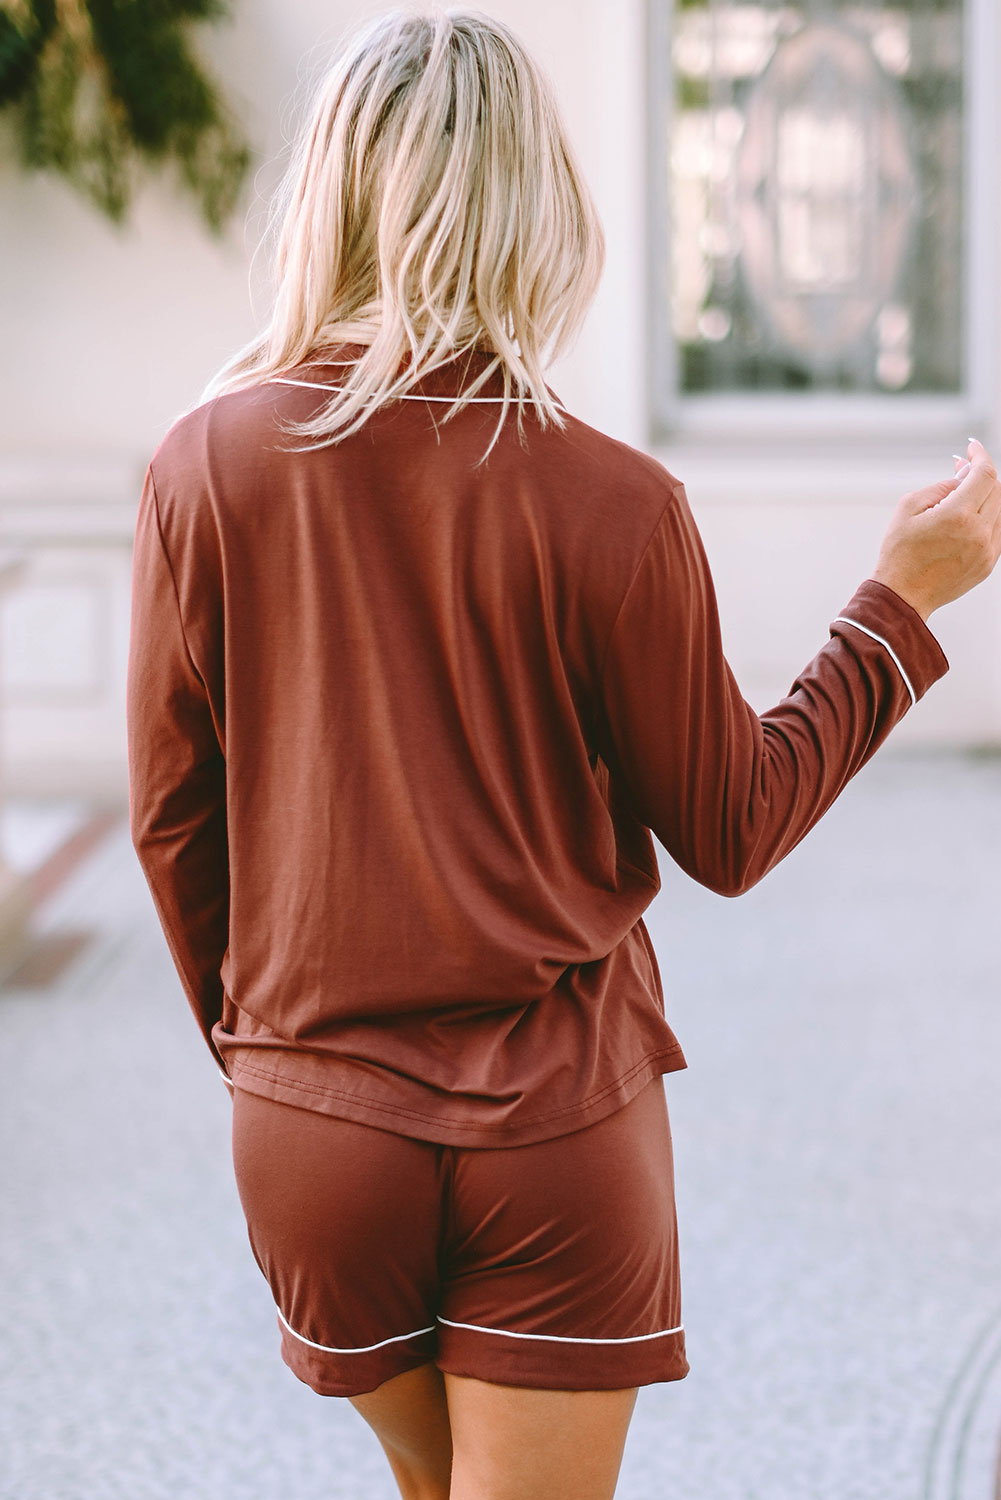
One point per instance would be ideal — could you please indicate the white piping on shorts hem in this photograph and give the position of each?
(365, 1349)
(841, 619)
(316, 385)
(560, 1338)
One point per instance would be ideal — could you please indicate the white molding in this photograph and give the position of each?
(68, 500)
(799, 474)
(30, 476)
(52, 508)
(56, 524)
(981, 186)
(736, 419)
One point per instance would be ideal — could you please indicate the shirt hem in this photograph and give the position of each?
(435, 1128)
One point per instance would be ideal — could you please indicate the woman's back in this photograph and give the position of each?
(401, 652)
(451, 699)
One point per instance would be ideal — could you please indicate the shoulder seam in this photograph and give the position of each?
(632, 579)
(170, 570)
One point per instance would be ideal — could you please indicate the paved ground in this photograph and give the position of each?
(838, 1142)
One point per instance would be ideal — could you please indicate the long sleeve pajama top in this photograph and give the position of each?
(400, 731)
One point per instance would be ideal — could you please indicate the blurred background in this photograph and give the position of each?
(799, 317)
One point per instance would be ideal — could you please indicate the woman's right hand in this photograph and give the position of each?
(946, 538)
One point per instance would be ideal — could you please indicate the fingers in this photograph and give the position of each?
(991, 508)
(979, 458)
(979, 487)
(990, 505)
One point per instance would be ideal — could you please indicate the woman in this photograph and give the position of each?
(418, 661)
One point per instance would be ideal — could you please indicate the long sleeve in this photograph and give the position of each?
(177, 776)
(729, 793)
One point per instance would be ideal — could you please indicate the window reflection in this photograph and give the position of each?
(820, 179)
(814, 184)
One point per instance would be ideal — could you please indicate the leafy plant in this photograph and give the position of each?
(100, 86)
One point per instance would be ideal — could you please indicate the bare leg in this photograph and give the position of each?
(409, 1416)
(515, 1443)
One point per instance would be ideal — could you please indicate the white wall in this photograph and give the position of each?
(139, 317)
(108, 333)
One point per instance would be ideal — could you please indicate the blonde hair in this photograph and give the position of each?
(432, 206)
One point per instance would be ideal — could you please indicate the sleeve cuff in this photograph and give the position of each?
(884, 616)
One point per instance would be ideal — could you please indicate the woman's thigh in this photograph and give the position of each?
(517, 1443)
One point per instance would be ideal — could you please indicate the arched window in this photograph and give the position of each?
(813, 239)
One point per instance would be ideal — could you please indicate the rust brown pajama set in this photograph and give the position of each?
(399, 730)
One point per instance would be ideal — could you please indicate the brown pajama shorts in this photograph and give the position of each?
(553, 1265)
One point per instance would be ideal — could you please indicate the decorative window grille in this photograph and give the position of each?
(808, 168)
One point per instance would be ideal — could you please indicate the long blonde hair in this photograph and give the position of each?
(432, 205)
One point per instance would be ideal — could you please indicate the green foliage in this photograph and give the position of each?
(101, 86)
(23, 30)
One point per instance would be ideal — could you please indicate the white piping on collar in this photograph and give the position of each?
(319, 386)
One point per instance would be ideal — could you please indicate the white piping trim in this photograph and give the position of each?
(841, 619)
(559, 1338)
(365, 1349)
(226, 1079)
(317, 385)
(554, 1338)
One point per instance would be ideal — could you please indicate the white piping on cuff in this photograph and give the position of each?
(319, 386)
(226, 1079)
(560, 1338)
(397, 1338)
(841, 619)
